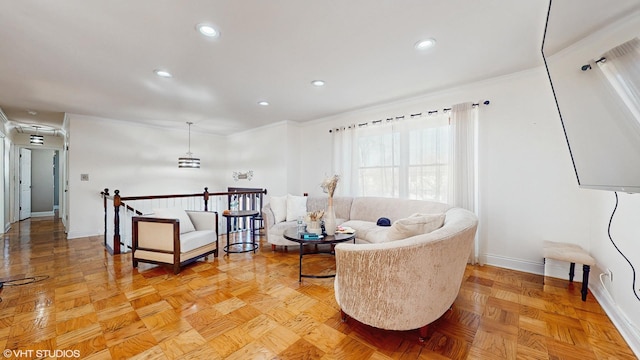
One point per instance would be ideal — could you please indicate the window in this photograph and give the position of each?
(404, 159)
(428, 167)
(378, 167)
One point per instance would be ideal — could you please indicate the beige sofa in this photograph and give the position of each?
(405, 284)
(359, 213)
(394, 282)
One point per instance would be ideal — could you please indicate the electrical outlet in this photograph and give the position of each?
(610, 274)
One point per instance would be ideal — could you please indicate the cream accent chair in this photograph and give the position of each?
(159, 240)
(405, 284)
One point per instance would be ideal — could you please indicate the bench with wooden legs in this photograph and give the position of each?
(572, 254)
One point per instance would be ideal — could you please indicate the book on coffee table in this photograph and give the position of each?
(311, 236)
(345, 230)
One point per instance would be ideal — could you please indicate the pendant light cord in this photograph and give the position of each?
(189, 152)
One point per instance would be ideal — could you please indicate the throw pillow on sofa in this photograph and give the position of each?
(296, 206)
(279, 207)
(415, 225)
(176, 213)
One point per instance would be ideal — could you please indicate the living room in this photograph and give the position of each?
(526, 182)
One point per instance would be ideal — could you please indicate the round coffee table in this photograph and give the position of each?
(293, 235)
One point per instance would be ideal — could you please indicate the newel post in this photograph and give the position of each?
(116, 222)
(206, 199)
(105, 194)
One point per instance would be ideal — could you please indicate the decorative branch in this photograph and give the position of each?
(315, 215)
(329, 184)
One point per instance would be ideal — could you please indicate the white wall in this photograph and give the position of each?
(272, 152)
(136, 160)
(625, 234)
(264, 151)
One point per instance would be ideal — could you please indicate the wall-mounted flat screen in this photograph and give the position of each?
(591, 50)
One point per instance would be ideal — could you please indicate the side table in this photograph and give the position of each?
(241, 214)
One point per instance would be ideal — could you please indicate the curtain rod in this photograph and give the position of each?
(430, 112)
(588, 66)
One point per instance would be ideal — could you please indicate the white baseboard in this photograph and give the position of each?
(80, 234)
(630, 334)
(552, 268)
(560, 269)
(515, 264)
(42, 213)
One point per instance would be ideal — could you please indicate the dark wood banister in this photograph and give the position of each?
(118, 201)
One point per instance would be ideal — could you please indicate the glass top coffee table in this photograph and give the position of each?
(293, 235)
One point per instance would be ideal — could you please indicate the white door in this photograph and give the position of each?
(25, 183)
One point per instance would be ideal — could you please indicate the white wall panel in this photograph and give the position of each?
(265, 151)
(136, 160)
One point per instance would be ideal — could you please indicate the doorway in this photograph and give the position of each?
(39, 182)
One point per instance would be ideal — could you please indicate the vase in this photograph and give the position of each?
(330, 218)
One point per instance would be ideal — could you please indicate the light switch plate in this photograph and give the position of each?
(84, 177)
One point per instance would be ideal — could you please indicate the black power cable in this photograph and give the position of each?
(23, 281)
(633, 284)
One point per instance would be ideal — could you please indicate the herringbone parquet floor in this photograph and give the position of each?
(88, 304)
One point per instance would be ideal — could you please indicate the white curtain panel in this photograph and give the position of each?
(377, 159)
(463, 163)
(345, 160)
(621, 69)
(462, 159)
(363, 153)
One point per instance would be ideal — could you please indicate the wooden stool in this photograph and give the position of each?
(573, 254)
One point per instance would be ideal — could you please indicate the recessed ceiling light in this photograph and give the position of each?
(317, 83)
(208, 30)
(263, 103)
(425, 44)
(162, 73)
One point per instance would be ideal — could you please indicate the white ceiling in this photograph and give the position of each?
(97, 57)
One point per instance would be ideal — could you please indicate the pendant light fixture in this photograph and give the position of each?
(37, 139)
(189, 162)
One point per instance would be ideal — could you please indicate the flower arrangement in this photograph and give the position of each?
(315, 215)
(329, 184)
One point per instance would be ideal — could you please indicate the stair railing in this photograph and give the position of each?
(119, 211)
